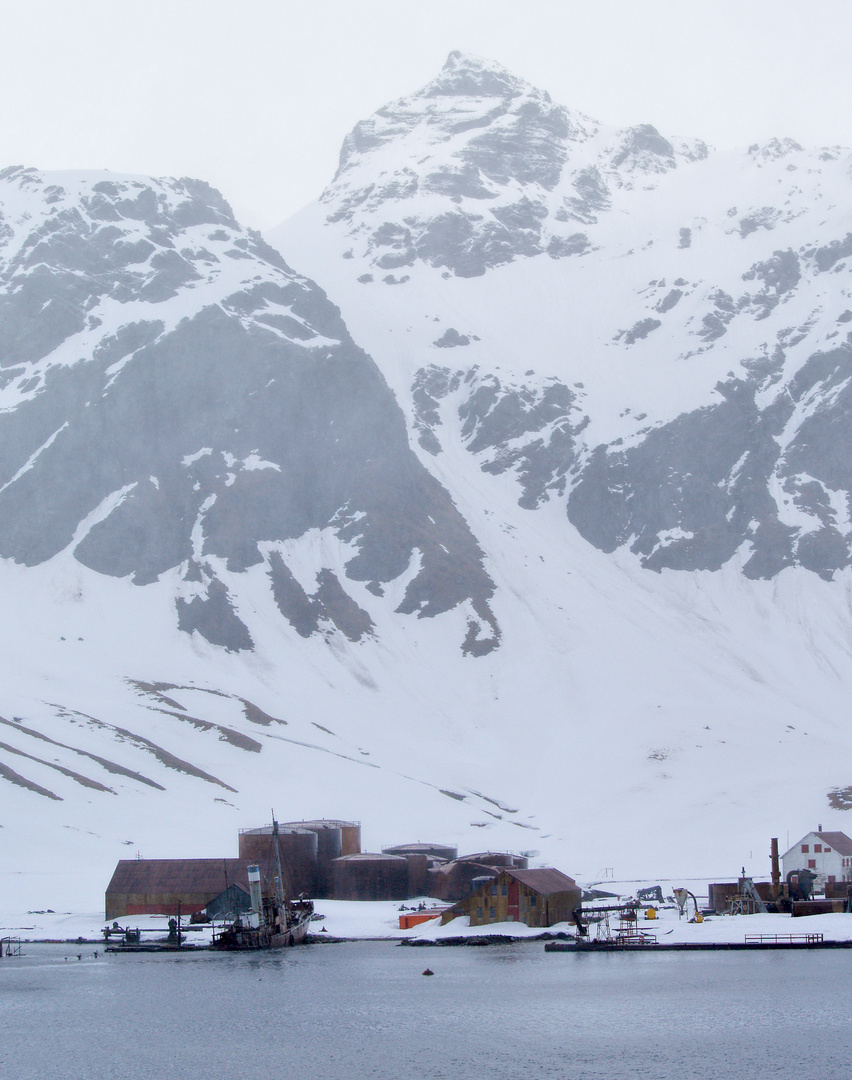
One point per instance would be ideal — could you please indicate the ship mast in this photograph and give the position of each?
(279, 879)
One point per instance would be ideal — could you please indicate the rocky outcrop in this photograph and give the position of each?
(177, 399)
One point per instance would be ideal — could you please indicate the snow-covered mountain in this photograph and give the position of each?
(654, 333)
(539, 539)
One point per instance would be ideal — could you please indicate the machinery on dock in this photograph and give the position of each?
(683, 896)
(623, 935)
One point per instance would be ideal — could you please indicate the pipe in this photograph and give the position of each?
(776, 868)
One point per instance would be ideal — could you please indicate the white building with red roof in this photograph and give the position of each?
(828, 854)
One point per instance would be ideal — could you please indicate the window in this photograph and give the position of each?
(492, 913)
(817, 848)
(826, 850)
(805, 849)
(479, 913)
(504, 889)
(493, 890)
(811, 866)
(533, 901)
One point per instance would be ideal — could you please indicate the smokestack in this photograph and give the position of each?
(776, 869)
(254, 890)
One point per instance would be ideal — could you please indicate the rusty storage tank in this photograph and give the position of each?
(434, 851)
(498, 858)
(298, 850)
(350, 834)
(418, 871)
(369, 876)
(329, 836)
(720, 894)
(453, 880)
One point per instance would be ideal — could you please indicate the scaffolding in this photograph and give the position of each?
(625, 934)
(10, 946)
(747, 900)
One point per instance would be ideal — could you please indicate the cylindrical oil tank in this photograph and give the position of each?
(298, 851)
(351, 837)
(454, 880)
(491, 858)
(329, 836)
(329, 848)
(370, 877)
(720, 895)
(418, 869)
(437, 851)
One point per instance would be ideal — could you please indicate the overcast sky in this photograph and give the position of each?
(256, 96)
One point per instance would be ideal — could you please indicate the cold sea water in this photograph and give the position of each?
(365, 1010)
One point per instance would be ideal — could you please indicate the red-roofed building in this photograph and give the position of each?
(828, 854)
(535, 897)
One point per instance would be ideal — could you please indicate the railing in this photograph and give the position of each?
(629, 938)
(776, 939)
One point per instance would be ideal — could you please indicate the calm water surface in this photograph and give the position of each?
(364, 1010)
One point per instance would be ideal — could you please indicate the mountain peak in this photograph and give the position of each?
(467, 75)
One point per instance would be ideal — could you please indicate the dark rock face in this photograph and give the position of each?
(516, 170)
(645, 146)
(722, 479)
(520, 429)
(749, 303)
(689, 494)
(182, 401)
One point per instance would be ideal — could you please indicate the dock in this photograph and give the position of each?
(752, 942)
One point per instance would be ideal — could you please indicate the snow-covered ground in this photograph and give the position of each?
(646, 722)
(365, 920)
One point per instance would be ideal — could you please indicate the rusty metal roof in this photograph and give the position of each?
(545, 881)
(211, 876)
(369, 856)
(837, 841)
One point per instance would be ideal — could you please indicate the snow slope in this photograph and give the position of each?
(445, 536)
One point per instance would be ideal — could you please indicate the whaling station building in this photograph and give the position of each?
(535, 897)
(323, 860)
(828, 854)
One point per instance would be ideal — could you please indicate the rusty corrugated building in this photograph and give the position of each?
(534, 897)
(166, 886)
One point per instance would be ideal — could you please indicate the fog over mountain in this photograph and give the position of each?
(502, 494)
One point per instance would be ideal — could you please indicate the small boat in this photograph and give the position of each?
(273, 922)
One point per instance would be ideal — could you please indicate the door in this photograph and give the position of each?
(514, 902)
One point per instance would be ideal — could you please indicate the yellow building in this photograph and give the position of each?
(534, 897)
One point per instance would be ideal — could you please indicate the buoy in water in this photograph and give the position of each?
(428, 971)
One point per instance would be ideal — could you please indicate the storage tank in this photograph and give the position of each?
(498, 858)
(454, 880)
(370, 876)
(436, 851)
(298, 851)
(329, 836)
(418, 870)
(351, 837)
